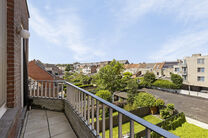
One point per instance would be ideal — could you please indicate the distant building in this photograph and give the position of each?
(37, 71)
(53, 69)
(197, 71)
(168, 68)
(158, 70)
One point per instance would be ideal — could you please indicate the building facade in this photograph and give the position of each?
(14, 17)
(197, 70)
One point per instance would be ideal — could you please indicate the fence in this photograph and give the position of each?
(89, 107)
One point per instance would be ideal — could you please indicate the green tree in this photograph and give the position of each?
(177, 80)
(149, 77)
(69, 67)
(104, 94)
(131, 87)
(109, 77)
(144, 100)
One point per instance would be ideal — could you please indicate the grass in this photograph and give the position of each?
(137, 127)
(190, 131)
(100, 117)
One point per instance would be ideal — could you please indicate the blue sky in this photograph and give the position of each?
(67, 31)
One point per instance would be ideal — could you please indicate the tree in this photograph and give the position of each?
(144, 100)
(104, 94)
(69, 67)
(109, 77)
(177, 80)
(131, 87)
(149, 78)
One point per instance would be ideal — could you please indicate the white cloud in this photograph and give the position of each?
(192, 13)
(65, 30)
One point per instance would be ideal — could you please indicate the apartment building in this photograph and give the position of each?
(197, 71)
(13, 65)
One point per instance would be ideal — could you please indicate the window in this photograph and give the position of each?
(200, 69)
(177, 69)
(200, 78)
(184, 77)
(200, 61)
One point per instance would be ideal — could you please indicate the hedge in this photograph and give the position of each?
(164, 84)
(171, 123)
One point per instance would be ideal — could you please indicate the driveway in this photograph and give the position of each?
(193, 107)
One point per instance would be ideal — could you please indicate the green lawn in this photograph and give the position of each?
(100, 117)
(190, 131)
(137, 127)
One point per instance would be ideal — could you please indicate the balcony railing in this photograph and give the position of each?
(88, 106)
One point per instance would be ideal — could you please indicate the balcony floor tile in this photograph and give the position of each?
(45, 124)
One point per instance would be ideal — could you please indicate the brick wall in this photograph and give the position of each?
(17, 14)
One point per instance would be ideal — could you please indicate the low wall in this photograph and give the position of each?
(185, 92)
(53, 104)
(141, 112)
(193, 93)
(79, 126)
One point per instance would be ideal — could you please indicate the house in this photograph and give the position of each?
(37, 71)
(53, 69)
(158, 69)
(146, 67)
(123, 61)
(14, 36)
(168, 68)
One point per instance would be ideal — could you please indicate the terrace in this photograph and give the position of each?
(64, 116)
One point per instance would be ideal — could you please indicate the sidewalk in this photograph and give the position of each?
(197, 123)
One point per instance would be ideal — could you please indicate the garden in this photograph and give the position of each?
(111, 78)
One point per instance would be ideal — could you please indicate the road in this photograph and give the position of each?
(193, 107)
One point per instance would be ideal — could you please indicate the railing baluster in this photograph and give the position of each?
(30, 88)
(41, 89)
(92, 118)
(103, 121)
(119, 125)
(79, 111)
(131, 129)
(111, 123)
(97, 117)
(49, 93)
(148, 133)
(38, 94)
(33, 88)
(82, 115)
(45, 89)
(85, 107)
(57, 91)
(62, 90)
(88, 109)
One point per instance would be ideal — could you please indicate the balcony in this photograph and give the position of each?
(78, 111)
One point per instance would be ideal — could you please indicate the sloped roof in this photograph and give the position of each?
(36, 70)
(159, 65)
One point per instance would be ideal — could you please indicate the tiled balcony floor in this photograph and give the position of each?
(47, 124)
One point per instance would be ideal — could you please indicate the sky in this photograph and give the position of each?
(68, 31)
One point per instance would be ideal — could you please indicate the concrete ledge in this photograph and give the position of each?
(10, 123)
(48, 103)
(78, 125)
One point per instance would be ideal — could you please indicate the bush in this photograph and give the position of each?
(177, 80)
(170, 106)
(129, 107)
(144, 100)
(164, 84)
(105, 94)
(159, 103)
(149, 77)
(165, 113)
